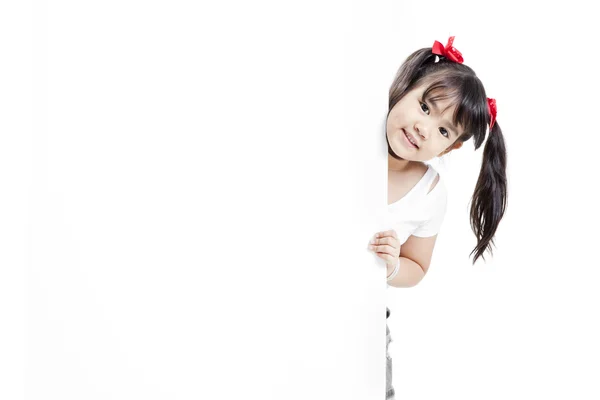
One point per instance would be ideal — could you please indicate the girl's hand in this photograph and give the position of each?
(387, 246)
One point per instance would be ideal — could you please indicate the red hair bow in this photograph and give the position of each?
(493, 111)
(449, 51)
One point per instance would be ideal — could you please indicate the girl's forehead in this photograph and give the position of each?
(442, 100)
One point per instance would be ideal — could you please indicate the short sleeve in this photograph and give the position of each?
(437, 204)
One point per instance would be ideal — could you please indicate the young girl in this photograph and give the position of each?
(436, 103)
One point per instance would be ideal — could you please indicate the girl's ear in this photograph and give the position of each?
(456, 145)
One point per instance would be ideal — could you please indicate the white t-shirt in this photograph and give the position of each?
(420, 213)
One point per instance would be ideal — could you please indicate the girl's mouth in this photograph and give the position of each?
(409, 140)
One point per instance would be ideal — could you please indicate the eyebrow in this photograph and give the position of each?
(448, 123)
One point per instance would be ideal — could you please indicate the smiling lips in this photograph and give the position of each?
(411, 141)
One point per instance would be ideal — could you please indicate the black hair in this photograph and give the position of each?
(446, 79)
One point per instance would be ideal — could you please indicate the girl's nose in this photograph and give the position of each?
(422, 130)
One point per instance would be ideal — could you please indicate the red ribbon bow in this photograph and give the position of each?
(493, 111)
(449, 51)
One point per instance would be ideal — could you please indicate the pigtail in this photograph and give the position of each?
(490, 196)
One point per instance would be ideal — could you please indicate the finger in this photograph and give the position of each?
(387, 249)
(391, 233)
(387, 240)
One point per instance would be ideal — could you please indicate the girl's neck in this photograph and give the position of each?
(398, 165)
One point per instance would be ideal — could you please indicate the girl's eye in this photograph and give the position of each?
(443, 131)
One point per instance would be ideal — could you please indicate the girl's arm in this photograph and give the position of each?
(415, 257)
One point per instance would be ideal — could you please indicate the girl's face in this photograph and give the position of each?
(418, 130)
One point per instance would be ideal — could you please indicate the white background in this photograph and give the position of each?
(187, 192)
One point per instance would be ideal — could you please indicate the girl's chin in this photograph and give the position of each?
(397, 156)
(403, 153)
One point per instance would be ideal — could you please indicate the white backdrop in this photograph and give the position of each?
(188, 191)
